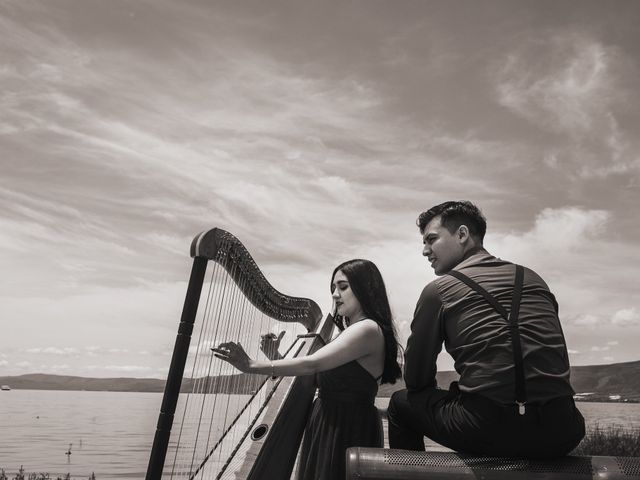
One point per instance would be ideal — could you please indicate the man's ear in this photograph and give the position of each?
(463, 233)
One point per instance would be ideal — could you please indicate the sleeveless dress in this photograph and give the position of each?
(344, 415)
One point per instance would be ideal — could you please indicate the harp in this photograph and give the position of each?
(215, 423)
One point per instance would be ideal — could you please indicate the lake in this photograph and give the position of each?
(111, 433)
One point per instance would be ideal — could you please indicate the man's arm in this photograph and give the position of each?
(425, 342)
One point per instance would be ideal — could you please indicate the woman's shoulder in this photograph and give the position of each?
(368, 326)
(370, 335)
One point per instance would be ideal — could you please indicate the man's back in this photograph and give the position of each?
(479, 338)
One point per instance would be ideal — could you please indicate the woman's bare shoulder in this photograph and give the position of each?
(368, 327)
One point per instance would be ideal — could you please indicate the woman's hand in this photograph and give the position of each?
(269, 344)
(234, 354)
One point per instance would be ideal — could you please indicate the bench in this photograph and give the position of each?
(392, 464)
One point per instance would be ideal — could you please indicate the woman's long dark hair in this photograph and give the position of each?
(367, 285)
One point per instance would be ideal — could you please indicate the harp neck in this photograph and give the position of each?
(228, 251)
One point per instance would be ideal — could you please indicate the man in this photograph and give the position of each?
(501, 327)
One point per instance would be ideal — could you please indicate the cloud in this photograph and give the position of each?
(599, 349)
(584, 320)
(571, 84)
(59, 367)
(148, 312)
(626, 317)
(54, 350)
(567, 227)
(563, 82)
(339, 188)
(120, 368)
(171, 243)
(3, 363)
(555, 232)
(622, 318)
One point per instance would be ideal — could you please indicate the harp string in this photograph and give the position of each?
(178, 459)
(226, 319)
(237, 326)
(211, 428)
(213, 308)
(204, 378)
(246, 323)
(192, 397)
(215, 397)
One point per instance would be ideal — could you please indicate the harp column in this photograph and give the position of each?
(174, 378)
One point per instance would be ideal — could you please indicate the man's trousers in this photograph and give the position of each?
(471, 423)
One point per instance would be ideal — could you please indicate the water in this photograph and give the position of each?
(111, 433)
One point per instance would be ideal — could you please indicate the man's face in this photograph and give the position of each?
(443, 249)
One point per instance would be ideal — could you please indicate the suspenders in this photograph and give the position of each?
(512, 318)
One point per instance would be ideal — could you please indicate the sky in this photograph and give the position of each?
(315, 132)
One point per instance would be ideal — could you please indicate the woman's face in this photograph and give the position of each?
(346, 302)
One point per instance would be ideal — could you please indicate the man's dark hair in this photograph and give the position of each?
(453, 214)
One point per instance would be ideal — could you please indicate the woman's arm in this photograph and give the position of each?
(357, 341)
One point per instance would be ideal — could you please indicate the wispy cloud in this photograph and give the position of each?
(556, 232)
(570, 83)
(120, 368)
(584, 320)
(565, 81)
(626, 317)
(54, 350)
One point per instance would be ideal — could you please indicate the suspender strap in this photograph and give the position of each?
(487, 296)
(512, 318)
(521, 393)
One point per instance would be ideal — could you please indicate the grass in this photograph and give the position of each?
(614, 441)
(22, 475)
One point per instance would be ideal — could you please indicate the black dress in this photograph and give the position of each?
(344, 415)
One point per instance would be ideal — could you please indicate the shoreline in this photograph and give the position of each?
(579, 398)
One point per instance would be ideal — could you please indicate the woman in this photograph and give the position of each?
(349, 368)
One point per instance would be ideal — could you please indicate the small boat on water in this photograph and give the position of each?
(5, 387)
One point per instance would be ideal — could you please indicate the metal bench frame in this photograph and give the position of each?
(393, 464)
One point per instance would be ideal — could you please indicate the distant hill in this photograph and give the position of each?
(40, 381)
(591, 383)
(595, 382)
(621, 379)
